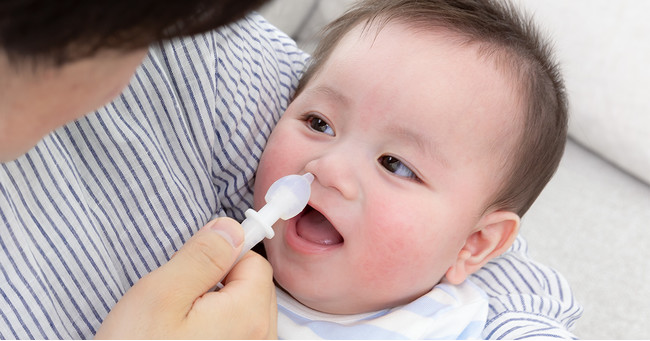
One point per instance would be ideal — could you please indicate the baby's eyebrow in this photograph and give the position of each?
(422, 143)
(331, 93)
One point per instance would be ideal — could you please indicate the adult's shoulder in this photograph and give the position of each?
(250, 36)
(250, 50)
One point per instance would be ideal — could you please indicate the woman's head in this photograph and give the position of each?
(56, 32)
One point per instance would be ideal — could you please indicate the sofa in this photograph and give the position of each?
(592, 221)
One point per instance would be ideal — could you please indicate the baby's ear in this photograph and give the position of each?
(493, 235)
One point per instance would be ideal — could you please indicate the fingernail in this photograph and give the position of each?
(229, 231)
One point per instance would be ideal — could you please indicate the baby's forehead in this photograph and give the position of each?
(506, 60)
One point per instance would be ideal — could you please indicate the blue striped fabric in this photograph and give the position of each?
(527, 299)
(106, 199)
(110, 197)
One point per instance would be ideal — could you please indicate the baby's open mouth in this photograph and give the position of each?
(314, 227)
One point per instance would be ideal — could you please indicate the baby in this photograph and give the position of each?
(430, 128)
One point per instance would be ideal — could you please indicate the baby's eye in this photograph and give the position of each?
(318, 124)
(394, 165)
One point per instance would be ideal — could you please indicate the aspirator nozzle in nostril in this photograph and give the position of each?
(286, 197)
(289, 195)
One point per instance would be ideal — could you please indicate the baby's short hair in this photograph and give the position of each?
(504, 34)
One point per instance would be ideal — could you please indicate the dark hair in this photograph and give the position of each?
(512, 42)
(59, 31)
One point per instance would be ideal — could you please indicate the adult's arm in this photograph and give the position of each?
(257, 69)
(527, 299)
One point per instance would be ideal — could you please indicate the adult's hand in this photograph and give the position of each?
(173, 301)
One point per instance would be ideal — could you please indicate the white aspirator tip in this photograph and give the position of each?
(286, 197)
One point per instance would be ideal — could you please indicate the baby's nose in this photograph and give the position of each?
(336, 171)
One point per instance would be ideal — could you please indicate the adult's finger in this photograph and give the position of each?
(159, 304)
(203, 261)
(248, 298)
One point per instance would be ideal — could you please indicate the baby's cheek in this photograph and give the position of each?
(396, 258)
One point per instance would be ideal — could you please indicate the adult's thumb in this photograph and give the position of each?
(202, 262)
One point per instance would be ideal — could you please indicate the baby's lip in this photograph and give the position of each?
(313, 226)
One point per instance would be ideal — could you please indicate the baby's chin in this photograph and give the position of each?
(362, 301)
(317, 301)
(343, 304)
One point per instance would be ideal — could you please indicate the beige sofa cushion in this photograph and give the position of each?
(604, 47)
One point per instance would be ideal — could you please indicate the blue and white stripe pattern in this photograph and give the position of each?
(105, 199)
(527, 299)
(448, 312)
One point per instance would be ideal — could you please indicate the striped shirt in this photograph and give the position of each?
(527, 299)
(447, 312)
(110, 197)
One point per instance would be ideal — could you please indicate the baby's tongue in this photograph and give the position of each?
(314, 227)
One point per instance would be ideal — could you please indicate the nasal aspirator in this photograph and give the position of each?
(286, 197)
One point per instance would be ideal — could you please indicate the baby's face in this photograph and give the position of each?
(403, 134)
